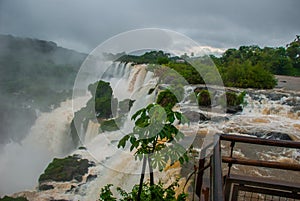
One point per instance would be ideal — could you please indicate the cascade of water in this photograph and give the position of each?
(92, 131)
(261, 114)
(114, 165)
(49, 137)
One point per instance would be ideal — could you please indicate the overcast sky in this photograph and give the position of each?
(84, 24)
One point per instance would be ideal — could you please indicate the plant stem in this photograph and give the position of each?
(149, 162)
(142, 179)
(151, 171)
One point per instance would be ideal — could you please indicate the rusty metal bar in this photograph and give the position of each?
(260, 163)
(252, 140)
(201, 169)
(216, 173)
(200, 177)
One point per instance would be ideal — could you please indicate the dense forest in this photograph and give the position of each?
(247, 66)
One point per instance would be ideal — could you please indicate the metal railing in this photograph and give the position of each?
(241, 187)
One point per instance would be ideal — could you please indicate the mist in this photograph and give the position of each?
(36, 78)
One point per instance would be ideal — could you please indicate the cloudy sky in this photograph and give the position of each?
(84, 24)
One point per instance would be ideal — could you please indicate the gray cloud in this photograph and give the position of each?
(82, 25)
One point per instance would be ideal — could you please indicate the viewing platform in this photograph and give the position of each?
(216, 182)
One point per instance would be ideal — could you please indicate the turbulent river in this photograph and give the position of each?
(271, 114)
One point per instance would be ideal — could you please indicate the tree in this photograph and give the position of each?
(293, 51)
(103, 99)
(155, 139)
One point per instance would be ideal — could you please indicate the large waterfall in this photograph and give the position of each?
(266, 111)
(21, 163)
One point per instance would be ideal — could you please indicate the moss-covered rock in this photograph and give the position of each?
(233, 102)
(7, 198)
(166, 99)
(232, 99)
(65, 169)
(111, 124)
(204, 98)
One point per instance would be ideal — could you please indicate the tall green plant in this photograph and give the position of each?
(155, 139)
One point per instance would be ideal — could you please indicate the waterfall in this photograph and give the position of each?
(126, 79)
(50, 136)
(92, 131)
(22, 163)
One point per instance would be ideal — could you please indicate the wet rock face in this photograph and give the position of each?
(45, 187)
(275, 96)
(234, 109)
(195, 116)
(199, 89)
(91, 177)
(293, 101)
(295, 108)
(272, 135)
(219, 119)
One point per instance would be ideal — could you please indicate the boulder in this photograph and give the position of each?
(272, 135)
(45, 187)
(234, 109)
(195, 116)
(91, 177)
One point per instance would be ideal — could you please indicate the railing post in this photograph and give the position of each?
(216, 173)
(231, 154)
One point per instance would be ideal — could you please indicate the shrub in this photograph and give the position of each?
(167, 99)
(7, 198)
(233, 99)
(109, 125)
(204, 98)
(149, 193)
(65, 169)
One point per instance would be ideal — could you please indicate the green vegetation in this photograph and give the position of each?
(7, 198)
(167, 99)
(149, 193)
(102, 106)
(246, 67)
(65, 169)
(152, 57)
(187, 71)
(110, 125)
(104, 101)
(204, 98)
(232, 98)
(155, 138)
(293, 52)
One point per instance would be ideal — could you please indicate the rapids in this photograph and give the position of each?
(267, 113)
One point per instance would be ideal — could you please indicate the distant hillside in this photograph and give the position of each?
(34, 74)
(27, 63)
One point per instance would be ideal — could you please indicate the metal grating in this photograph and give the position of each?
(249, 196)
(247, 193)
